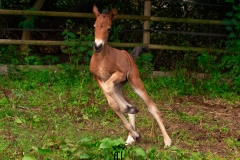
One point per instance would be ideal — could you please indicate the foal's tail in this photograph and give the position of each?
(137, 50)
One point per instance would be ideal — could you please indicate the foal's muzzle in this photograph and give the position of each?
(97, 47)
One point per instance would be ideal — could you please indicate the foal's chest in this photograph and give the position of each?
(102, 67)
(101, 71)
(104, 73)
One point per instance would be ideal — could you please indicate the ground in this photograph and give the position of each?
(39, 117)
(195, 123)
(206, 124)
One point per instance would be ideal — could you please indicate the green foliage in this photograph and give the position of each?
(28, 23)
(206, 62)
(144, 63)
(230, 1)
(230, 62)
(77, 50)
(50, 59)
(108, 149)
(9, 55)
(224, 68)
(31, 59)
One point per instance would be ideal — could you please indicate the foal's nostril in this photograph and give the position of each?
(98, 47)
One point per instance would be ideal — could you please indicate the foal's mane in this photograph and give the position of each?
(105, 11)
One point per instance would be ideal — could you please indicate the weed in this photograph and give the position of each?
(192, 119)
(224, 129)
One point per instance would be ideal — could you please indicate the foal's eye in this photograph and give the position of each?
(109, 29)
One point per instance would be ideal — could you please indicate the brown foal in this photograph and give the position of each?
(112, 68)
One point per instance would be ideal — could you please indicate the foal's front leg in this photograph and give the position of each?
(130, 139)
(127, 125)
(118, 89)
(115, 106)
(108, 88)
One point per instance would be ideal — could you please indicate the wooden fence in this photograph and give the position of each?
(146, 34)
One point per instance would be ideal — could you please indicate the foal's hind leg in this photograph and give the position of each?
(139, 88)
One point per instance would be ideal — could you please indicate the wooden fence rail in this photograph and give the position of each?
(146, 34)
(90, 15)
(114, 44)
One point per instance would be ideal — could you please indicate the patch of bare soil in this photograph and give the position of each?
(204, 124)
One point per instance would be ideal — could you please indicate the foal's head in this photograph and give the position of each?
(102, 27)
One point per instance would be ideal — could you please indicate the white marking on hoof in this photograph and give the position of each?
(129, 140)
(167, 142)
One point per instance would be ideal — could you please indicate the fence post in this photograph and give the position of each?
(146, 24)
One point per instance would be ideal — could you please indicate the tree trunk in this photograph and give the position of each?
(27, 34)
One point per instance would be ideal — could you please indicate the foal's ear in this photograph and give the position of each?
(113, 14)
(95, 11)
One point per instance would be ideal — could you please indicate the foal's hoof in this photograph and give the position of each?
(138, 139)
(167, 142)
(132, 110)
(130, 140)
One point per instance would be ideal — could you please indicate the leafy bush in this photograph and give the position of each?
(224, 68)
(77, 50)
(10, 55)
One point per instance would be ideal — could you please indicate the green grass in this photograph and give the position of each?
(64, 115)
